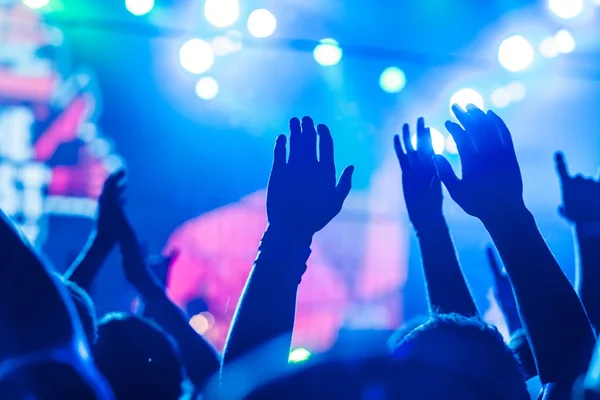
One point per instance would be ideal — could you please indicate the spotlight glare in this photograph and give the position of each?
(437, 140)
(451, 145)
(515, 53)
(328, 52)
(261, 23)
(35, 4)
(207, 88)
(221, 13)
(548, 48)
(139, 7)
(467, 96)
(392, 80)
(500, 98)
(564, 41)
(566, 9)
(196, 56)
(299, 355)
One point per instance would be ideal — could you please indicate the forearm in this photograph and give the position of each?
(267, 307)
(556, 323)
(446, 286)
(588, 273)
(85, 268)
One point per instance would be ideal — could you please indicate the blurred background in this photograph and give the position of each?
(189, 95)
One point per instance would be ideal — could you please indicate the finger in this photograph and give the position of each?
(503, 132)
(113, 179)
(326, 157)
(494, 264)
(447, 176)
(463, 141)
(309, 140)
(424, 143)
(561, 166)
(279, 152)
(406, 139)
(402, 157)
(344, 184)
(461, 115)
(295, 140)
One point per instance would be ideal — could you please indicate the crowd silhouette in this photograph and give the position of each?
(54, 346)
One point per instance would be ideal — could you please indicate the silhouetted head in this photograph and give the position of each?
(520, 346)
(85, 310)
(461, 358)
(138, 359)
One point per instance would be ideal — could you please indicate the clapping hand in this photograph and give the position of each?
(581, 196)
(421, 185)
(109, 207)
(302, 195)
(491, 183)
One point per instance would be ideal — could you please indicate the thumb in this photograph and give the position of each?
(447, 175)
(345, 184)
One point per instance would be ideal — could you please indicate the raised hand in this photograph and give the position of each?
(109, 206)
(302, 195)
(491, 183)
(422, 187)
(581, 196)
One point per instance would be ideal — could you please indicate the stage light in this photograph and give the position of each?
(451, 145)
(261, 23)
(139, 7)
(500, 98)
(392, 80)
(517, 91)
(35, 4)
(566, 9)
(437, 141)
(299, 355)
(207, 88)
(515, 53)
(564, 41)
(548, 48)
(196, 56)
(327, 52)
(467, 96)
(221, 13)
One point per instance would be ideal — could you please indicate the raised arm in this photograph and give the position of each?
(302, 198)
(446, 287)
(102, 240)
(503, 292)
(199, 358)
(491, 189)
(581, 207)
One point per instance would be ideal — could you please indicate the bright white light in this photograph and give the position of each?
(596, 2)
(564, 41)
(221, 13)
(451, 145)
(517, 91)
(139, 7)
(437, 141)
(327, 52)
(392, 80)
(500, 98)
(261, 23)
(467, 96)
(196, 56)
(207, 88)
(515, 53)
(548, 48)
(566, 8)
(299, 355)
(35, 4)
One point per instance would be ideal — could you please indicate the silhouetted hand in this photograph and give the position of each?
(421, 185)
(581, 196)
(302, 195)
(491, 183)
(109, 206)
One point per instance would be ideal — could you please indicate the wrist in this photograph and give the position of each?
(284, 250)
(508, 220)
(434, 224)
